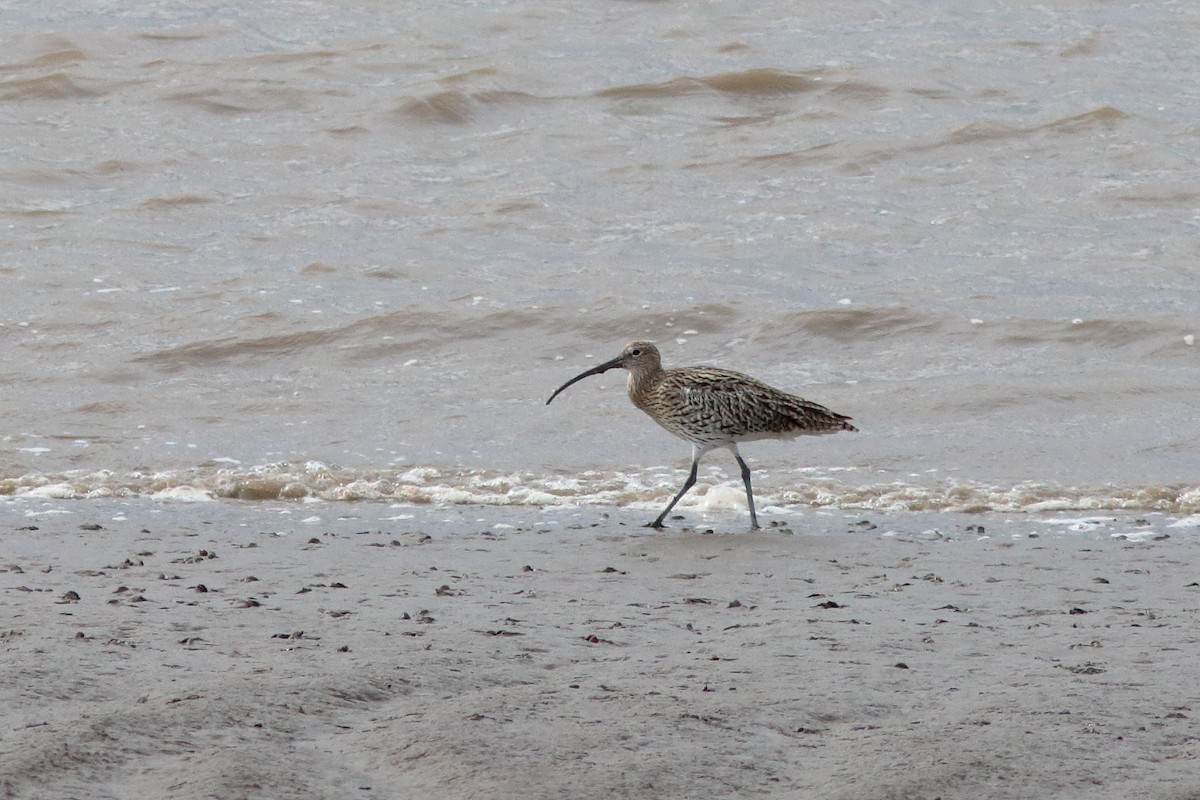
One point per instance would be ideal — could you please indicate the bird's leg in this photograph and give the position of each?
(689, 483)
(749, 492)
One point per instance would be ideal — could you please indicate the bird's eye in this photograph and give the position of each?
(635, 352)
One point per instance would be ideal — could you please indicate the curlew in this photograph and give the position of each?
(713, 407)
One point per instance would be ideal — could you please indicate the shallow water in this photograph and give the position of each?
(298, 250)
(40, 518)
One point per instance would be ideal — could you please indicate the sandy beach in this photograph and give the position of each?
(222, 650)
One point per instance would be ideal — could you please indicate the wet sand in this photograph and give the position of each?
(226, 650)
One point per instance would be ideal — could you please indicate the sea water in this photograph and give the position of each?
(325, 251)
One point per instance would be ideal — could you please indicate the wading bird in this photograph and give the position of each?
(713, 407)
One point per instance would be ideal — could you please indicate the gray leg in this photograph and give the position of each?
(749, 491)
(689, 483)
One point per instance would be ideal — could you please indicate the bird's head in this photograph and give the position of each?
(638, 357)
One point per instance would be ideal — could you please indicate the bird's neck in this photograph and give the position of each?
(641, 385)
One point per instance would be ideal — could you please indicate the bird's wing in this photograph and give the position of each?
(721, 400)
(738, 405)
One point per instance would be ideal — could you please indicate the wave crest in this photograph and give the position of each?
(425, 485)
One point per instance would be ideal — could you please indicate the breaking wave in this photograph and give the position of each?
(425, 485)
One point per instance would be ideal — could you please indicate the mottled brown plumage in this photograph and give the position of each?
(713, 407)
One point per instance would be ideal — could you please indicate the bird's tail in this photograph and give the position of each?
(813, 417)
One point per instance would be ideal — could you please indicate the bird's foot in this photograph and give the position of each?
(657, 524)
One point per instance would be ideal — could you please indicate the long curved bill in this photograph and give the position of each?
(596, 370)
